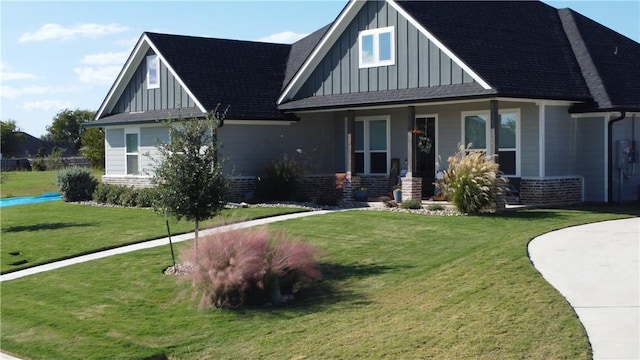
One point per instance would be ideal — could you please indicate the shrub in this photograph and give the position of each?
(250, 267)
(279, 179)
(472, 181)
(411, 204)
(435, 207)
(113, 196)
(101, 192)
(76, 184)
(128, 196)
(146, 197)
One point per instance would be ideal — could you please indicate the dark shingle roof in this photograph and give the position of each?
(300, 51)
(610, 62)
(246, 75)
(518, 47)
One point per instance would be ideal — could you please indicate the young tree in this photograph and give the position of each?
(67, 126)
(10, 138)
(93, 147)
(188, 173)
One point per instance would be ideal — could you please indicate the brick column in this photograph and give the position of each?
(351, 183)
(411, 188)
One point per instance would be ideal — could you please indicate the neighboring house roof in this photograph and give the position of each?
(514, 49)
(31, 145)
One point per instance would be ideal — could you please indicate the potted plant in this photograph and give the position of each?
(397, 194)
(361, 194)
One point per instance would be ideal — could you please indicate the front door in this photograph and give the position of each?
(425, 153)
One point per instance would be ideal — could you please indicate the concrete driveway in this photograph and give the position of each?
(597, 269)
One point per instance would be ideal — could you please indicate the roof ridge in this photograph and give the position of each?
(583, 57)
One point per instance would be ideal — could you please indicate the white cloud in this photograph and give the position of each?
(13, 92)
(46, 105)
(6, 74)
(285, 37)
(56, 31)
(98, 74)
(106, 58)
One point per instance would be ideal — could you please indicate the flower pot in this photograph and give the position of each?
(397, 195)
(361, 195)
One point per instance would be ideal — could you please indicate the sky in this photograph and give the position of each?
(57, 55)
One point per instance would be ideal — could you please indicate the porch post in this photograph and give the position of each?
(411, 159)
(351, 143)
(495, 127)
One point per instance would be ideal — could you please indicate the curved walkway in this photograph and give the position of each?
(597, 269)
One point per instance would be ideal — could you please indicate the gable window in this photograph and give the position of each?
(372, 145)
(132, 158)
(476, 131)
(153, 72)
(377, 47)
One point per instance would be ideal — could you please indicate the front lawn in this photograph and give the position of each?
(396, 286)
(32, 183)
(39, 233)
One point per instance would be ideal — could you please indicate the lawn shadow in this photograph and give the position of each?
(46, 226)
(332, 289)
(547, 211)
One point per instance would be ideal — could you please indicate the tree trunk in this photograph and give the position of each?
(195, 241)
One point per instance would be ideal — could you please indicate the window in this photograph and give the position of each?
(131, 144)
(371, 145)
(377, 47)
(476, 131)
(153, 72)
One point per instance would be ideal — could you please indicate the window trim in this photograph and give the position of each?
(376, 47)
(127, 154)
(367, 151)
(487, 113)
(155, 61)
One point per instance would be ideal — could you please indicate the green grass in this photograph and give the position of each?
(30, 183)
(39, 233)
(396, 286)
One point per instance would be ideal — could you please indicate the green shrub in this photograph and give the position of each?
(472, 181)
(250, 267)
(146, 197)
(101, 192)
(128, 197)
(435, 207)
(113, 196)
(411, 204)
(76, 184)
(279, 179)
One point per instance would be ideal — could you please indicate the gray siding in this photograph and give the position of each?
(136, 96)
(114, 152)
(627, 190)
(150, 137)
(419, 62)
(529, 135)
(590, 160)
(560, 142)
(248, 148)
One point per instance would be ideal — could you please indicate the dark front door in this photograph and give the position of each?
(425, 153)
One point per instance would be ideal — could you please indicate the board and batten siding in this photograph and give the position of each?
(560, 142)
(114, 151)
(136, 96)
(419, 62)
(590, 159)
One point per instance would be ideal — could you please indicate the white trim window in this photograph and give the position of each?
(377, 47)
(372, 145)
(153, 72)
(476, 131)
(132, 156)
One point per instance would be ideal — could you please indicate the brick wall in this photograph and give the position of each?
(135, 181)
(556, 190)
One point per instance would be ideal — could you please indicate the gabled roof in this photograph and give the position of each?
(245, 75)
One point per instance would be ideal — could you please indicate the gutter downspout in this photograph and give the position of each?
(623, 114)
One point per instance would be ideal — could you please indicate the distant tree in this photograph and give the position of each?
(92, 140)
(67, 126)
(188, 173)
(10, 138)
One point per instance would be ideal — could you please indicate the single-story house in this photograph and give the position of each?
(553, 93)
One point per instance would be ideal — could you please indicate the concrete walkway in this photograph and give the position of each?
(597, 269)
(153, 243)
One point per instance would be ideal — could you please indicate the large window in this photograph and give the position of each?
(371, 146)
(132, 158)
(377, 47)
(476, 131)
(153, 72)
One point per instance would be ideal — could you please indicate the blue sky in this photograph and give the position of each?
(66, 54)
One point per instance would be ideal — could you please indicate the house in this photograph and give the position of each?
(554, 94)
